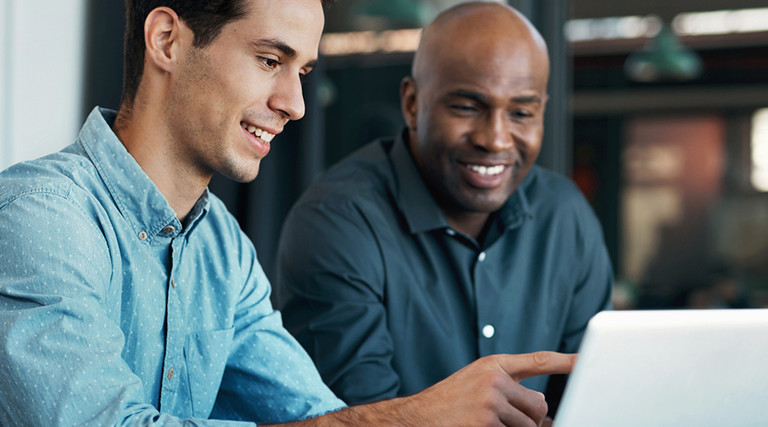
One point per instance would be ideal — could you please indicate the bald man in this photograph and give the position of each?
(421, 253)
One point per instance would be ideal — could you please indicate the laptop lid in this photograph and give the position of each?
(670, 368)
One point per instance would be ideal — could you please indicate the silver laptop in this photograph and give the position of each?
(670, 368)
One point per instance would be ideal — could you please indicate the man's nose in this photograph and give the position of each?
(494, 134)
(288, 98)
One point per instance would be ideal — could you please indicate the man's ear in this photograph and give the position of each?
(162, 37)
(408, 102)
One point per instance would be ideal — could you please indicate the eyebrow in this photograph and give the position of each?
(463, 93)
(479, 97)
(282, 47)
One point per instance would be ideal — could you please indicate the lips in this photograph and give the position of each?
(486, 170)
(258, 132)
(485, 175)
(260, 139)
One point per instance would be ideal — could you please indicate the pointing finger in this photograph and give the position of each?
(521, 366)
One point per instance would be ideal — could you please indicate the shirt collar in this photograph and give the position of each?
(419, 206)
(136, 196)
(413, 198)
(516, 209)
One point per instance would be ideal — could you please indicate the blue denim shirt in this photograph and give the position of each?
(112, 311)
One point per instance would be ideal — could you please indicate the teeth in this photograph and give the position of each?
(486, 170)
(260, 133)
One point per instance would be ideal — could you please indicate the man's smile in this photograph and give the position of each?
(258, 132)
(486, 170)
(486, 176)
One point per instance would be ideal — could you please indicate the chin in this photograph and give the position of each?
(247, 178)
(242, 175)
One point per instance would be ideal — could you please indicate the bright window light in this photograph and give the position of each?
(366, 42)
(626, 27)
(685, 24)
(722, 22)
(760, 150)
(576, 30)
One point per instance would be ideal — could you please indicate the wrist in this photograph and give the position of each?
(401, 411)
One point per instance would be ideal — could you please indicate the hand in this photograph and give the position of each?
(488, 392)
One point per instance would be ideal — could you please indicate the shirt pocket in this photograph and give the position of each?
(206, 356)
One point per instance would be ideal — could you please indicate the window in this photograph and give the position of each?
(759, 177)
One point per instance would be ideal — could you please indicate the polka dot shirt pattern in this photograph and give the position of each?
(112, 311)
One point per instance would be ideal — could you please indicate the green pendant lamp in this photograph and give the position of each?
(663, 59)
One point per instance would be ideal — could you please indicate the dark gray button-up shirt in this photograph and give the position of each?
(388, 299)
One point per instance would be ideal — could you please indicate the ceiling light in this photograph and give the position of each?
(663, 58)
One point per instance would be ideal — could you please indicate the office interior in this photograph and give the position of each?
(658, 111)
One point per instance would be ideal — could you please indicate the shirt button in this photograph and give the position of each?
(488, 331)
(170, 374)
(142, 235)
(173, 283)
(168, 229)
(450, 232)
(481, 257)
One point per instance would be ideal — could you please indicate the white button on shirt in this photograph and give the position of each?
(450, 232)
(481, 257)
(488, 331)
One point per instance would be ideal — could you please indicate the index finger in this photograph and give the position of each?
(521, 366)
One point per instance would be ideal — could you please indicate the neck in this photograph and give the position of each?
(142, 132)
(472, 224)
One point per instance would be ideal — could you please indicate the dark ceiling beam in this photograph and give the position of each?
(660, 100)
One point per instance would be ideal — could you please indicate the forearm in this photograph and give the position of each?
(399, 412)
(486, 392)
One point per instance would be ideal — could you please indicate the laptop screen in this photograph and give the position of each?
(670, 368)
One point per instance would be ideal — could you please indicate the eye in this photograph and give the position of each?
(463, 109)
(521, 114)
(270, 62)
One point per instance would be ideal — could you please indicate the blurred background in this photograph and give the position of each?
(658, 111)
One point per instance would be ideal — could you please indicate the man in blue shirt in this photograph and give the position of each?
(421, 253)
(128, 294)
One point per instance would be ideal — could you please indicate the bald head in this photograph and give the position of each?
(474, 107)
(477, 28)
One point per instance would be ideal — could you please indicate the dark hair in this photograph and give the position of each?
(206, 18)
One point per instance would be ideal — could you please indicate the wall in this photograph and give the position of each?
(41, 76)
(673, 169)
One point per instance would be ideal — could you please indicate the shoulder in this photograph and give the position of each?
(49, 203)
(347, 208)
(218, 216)
(63, 178)
(552, 195)
(361, 181)
(541, 183)
(223, 233)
